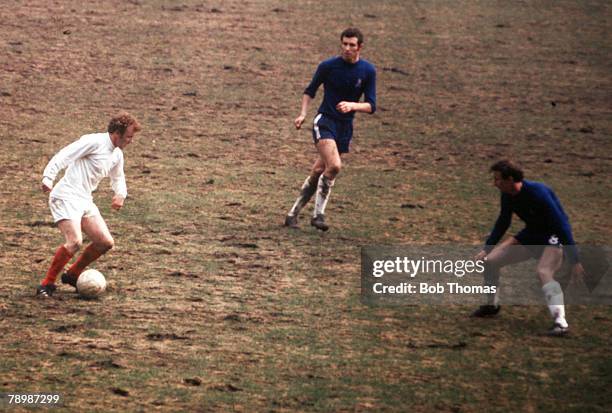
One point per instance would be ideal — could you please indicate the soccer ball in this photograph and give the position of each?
(91, 283)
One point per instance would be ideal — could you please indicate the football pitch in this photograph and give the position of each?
(213, 305)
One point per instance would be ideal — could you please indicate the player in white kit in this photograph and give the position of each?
(87, 161)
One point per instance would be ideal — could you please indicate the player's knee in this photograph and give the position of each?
(73, 246)
(317, 171)
(333, 169)
(106, 245)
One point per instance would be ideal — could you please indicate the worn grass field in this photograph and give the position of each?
(212, 305)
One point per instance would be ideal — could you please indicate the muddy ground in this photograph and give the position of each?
(212, 305)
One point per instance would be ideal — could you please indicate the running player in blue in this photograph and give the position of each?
(546, 236)
(345, 79)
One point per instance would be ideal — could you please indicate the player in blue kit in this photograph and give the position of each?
(546, 236)
(345, 79)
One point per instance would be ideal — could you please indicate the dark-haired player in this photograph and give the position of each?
(546, 236)
(345, 79)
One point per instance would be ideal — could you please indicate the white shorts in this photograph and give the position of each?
(75, 209)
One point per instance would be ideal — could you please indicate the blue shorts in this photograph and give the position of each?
(325, 127)
(537, 241)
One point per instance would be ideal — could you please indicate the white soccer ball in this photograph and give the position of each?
(91, 283)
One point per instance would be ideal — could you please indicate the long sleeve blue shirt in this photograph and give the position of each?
(343, 81)
(538, 206)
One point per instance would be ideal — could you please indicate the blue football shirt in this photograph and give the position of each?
(343, 81)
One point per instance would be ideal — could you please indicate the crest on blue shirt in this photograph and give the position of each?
(358, 82)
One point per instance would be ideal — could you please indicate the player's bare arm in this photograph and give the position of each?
(300, 119)
(346, 107)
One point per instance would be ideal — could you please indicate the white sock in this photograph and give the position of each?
(493, 299)
(307, 191)
(491, 279)
(323, 190)
(554, 299)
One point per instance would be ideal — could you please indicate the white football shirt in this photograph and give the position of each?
(88, 160)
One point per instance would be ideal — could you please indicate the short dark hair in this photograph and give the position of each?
(508, 169)
(352, 32)
(121, 121)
